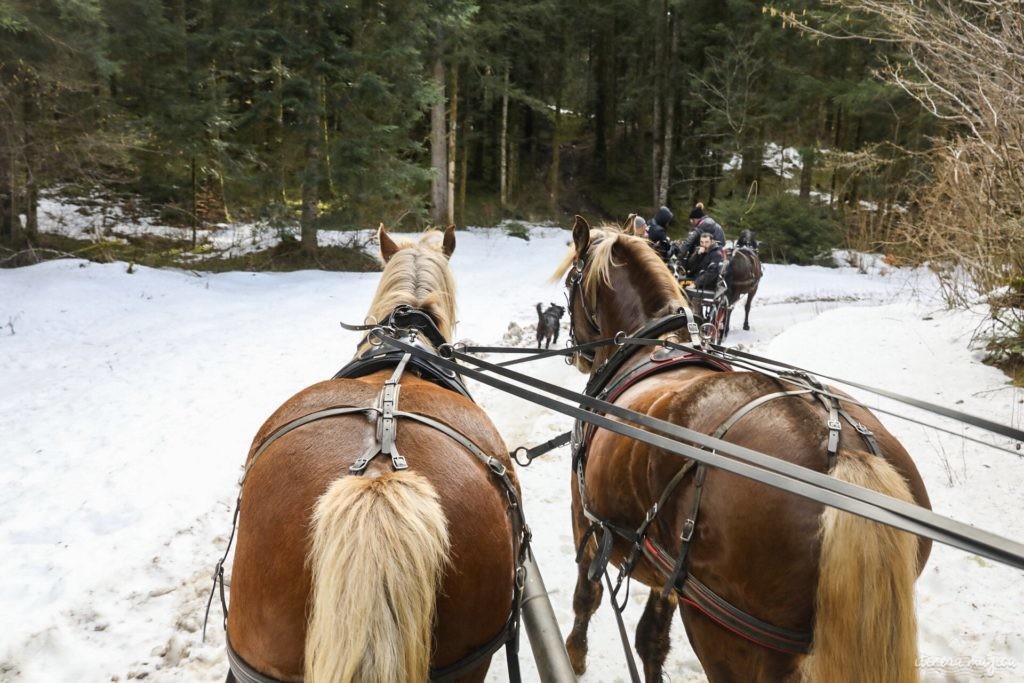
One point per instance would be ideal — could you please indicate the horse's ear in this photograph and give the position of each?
(388, 248)
(448, 244)
(580, 234)
(629, 227)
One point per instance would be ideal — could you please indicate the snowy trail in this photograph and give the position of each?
(128, 402)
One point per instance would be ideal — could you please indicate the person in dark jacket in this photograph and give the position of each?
(700, 222)
(706, 263)
(657, 232)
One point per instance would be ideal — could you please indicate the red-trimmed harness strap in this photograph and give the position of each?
(727, 615)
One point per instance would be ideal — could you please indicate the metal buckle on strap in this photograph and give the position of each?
(359, 465)
(688, 528)
(496, 466)
(861, 429)
(833, 425)
(650, 514)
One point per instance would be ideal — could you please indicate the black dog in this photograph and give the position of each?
(548, 324)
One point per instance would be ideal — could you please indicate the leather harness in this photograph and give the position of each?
(407, 324)
(678, 579)
(607, 384)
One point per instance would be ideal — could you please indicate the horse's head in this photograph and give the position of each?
(747, 239)
(416, 274)
(616, 283)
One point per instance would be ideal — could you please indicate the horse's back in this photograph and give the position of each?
(271, 574)
(741, 523)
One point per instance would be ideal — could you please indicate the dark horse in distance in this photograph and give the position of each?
(743, 274)
(352, 565)
(770, 586)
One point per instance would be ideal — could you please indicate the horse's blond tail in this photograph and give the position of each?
(380, 547)
(865, 626)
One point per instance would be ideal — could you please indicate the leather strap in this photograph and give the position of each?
(748, 463)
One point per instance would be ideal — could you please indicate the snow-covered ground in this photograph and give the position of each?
(128, 402)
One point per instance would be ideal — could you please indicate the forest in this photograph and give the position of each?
(893, 127)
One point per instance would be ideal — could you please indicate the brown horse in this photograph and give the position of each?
(390, 574)
(770, 586)
(743, 274)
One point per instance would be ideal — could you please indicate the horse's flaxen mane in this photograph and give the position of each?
(661, 286)
(418, 275)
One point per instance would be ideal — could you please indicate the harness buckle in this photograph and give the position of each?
(359, 465)
(398, 462)
(577, 272)
(861, 429)
(688, 528)
(495, 466)
(520, 577)
(834, 425)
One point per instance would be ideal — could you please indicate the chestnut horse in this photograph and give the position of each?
(770, 586)
(390, 573)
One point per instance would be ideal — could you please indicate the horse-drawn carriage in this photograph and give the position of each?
(409, 564)
(740, 274)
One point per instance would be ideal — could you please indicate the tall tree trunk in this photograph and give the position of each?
(465, 130)
(807, 158)
(659, 83)
(15, 146)
(512, 142)
(194, 218)
(311, 178)
(453, 132)
(325, 139)
(278, 139)
(602, 95)
(838, 126)
(670, 110)
(6, 185)
(438, 149)
(555, 173)
(8, 214)
(216, 155)
(31, 208)
(30, 117)
(753, 160)
(503, 144)
(277, 64)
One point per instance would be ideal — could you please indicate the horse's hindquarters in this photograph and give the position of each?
(271, 578)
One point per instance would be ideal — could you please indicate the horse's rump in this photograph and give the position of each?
(272, 575)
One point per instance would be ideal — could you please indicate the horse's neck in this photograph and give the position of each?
(625, 308)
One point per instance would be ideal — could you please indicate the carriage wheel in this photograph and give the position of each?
(723, 319)
(719, 323)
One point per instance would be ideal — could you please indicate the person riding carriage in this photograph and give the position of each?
(657, 232)
(700, 223)
(704, 266)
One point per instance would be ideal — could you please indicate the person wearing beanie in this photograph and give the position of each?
(657, 232)
(639, 227)
(700, 222)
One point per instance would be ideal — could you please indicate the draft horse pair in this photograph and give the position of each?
(770, 586)
(380, 535)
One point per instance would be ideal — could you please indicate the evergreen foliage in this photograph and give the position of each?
(788, 230)
(319, 111)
